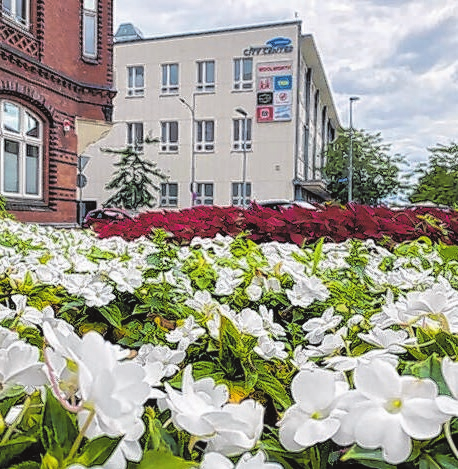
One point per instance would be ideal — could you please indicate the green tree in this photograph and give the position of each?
(376, 172)
(438, 181)
(136, 180)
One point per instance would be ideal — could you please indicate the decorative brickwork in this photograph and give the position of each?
(20, 40)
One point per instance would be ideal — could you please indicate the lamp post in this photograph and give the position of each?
(192, 110)
(350, 152)
(243, 113)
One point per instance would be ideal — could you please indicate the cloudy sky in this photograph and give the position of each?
(399, 56)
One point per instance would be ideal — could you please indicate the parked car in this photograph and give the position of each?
(105, 215)
(278, 204)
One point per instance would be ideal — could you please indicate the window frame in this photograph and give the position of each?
(201, 197)
(135, 91)
(168, 199)
(238, 131)
(203, 84)
(135, 144)
(167, 87)
(23, 22)
(237, 194)
(90, 13)
(239, 82)
(201, 144)
(25, 143)
(168, 145)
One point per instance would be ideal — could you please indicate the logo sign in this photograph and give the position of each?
(274, 68)
(284, 82)
(266, 84)
(277, 45)
(265, 113)
(265, 98)
(282, 97)
(282, 113)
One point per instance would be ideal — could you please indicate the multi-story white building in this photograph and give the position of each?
(242, 105)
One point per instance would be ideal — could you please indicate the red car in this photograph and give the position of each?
(104, 216)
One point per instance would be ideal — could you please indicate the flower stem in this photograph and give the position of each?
(448, 436)
(79, 438)
(17, 421)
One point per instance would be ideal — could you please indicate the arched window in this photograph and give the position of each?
(21, 151)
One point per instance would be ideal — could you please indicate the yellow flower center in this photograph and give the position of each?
(393, 406)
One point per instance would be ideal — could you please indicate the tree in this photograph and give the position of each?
(135, 180)
(376, 173)
(438, 182)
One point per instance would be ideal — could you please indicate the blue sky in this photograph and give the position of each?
(398, 56)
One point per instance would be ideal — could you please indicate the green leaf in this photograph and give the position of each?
(231, 344)
(49, 462)
(162, 460)
(26, 465)
(370, 458)
(430, 368)
(14, 448)
(96, 452)
(273, 388)
(112, 314)
(59, 427)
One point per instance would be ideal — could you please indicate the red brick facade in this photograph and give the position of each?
(43, 70)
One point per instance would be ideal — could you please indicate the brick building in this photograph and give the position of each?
(55, 81)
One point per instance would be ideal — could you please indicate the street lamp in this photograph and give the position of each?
(245, 138)
(350, 153)
(192, 110)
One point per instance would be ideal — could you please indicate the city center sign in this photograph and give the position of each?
(277, 45)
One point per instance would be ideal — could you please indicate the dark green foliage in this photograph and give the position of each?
(135, 180)
(438, 182)
(375, 170)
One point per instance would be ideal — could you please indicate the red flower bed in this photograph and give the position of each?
(293, 225)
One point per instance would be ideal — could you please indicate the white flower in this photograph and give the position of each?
(301, 359)
(126, 279)
(20, 365)
(246, 461)
(316, 328)
(163, 354)
(191, 406)
(343, 363)
(260, 284)
(186, 334)
(228, 280)
(237, 427)
(332, 343)
(314, 417)
(306, 290)
(7, 337)
(268, 348)
(269, 324)
(447, 404)
(387, 410)
(393, 341)
(250, 322)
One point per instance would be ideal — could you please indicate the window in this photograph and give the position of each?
(90, 28)
(238, 134)
(169, 136)
(205, 136)
(204, 193)
(206, 75)
(135, 81)
(169, 194)
(169, 78)
(135, 135)
(21, 138)
(243, 74)
(17, 10)
(237, 193)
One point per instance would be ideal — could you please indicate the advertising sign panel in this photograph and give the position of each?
(274, 85)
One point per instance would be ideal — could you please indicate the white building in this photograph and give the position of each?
(196, 92)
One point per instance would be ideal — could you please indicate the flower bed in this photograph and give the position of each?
(220, 352)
